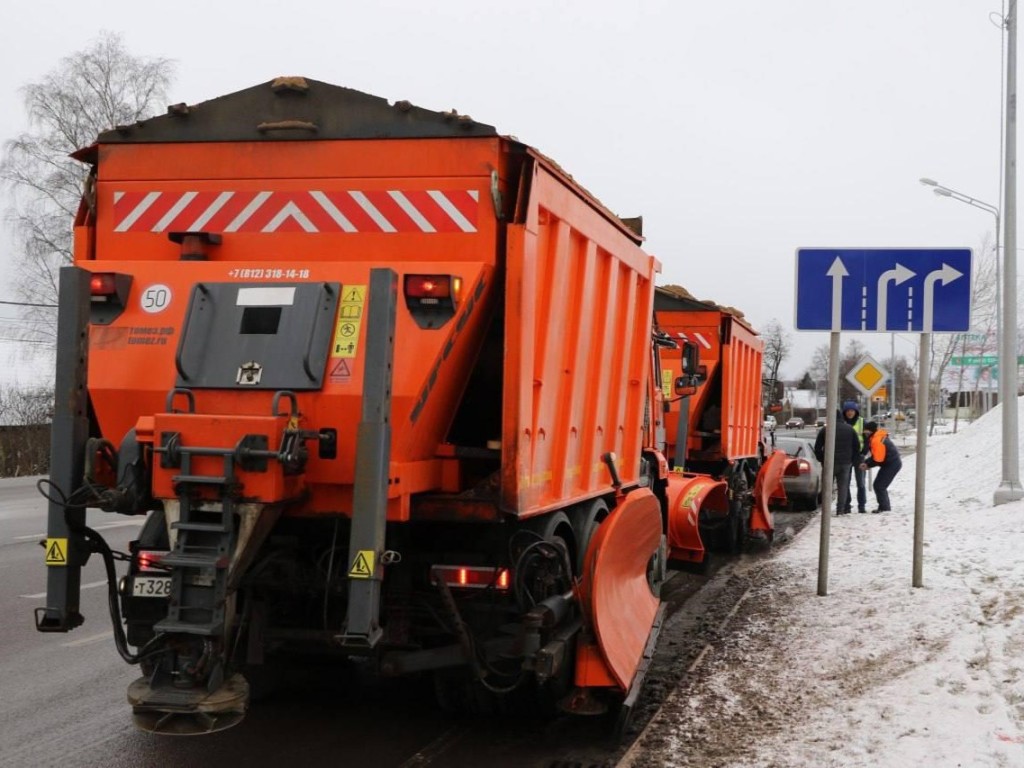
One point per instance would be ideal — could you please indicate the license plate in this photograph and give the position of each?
(151, 586)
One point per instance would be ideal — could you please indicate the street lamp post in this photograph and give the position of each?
(943, 191)
(1006, 318)
(1009, 487)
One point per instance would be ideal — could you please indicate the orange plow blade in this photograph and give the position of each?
(687, 496)
(615, 590)
(768, 485)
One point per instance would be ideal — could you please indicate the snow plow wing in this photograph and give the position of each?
(689, 497)
(767, 486)
(616, 592)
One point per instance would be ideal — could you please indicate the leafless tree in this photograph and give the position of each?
(88, 92)
(981, 338)
(777, 345)
(819, 363)
(21, 406)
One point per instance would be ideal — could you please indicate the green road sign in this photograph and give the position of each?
(967, 360)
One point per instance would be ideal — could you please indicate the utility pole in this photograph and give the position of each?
(1009, 487)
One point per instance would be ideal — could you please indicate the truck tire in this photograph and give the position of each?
(736, 527)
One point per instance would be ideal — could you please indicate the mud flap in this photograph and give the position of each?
(688, 495)
(615, 592)
(767, 485)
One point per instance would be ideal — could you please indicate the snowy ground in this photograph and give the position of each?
(876, 673)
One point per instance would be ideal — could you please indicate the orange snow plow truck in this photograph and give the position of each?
(387, 385)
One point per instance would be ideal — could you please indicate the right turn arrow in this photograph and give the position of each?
(947, 275)
(899, 274)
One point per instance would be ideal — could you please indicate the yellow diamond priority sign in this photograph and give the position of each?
(867, 375)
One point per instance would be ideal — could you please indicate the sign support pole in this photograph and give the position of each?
(831, 405)
(923, 409)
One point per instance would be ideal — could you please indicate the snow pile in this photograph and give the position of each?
(876, 673)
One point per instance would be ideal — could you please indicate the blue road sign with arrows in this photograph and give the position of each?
(883, 289)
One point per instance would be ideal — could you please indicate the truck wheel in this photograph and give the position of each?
(585, 521)
(736, 526)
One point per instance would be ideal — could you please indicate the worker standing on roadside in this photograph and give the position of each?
(882, 453)
(845, 458)
(851, 415)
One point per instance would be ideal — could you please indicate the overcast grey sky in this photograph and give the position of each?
(740, 130)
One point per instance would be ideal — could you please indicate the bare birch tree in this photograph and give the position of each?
(88, 92)
(777, 345)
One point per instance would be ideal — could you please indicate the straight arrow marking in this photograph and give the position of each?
(837, 272)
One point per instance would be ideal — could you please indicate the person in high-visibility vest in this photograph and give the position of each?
(882, 453)
(851, 414)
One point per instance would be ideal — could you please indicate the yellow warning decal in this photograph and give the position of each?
(56, 551)
(666, 382)
(362, 566)
(350, 320)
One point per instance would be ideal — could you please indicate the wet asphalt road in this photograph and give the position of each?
(62, 696)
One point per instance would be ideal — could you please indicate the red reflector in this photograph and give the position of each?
(467, 577)
(102, 284)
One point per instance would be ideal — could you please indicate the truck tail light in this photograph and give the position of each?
(102, 286)
(432, 299)
(433, 289)
(108, 295)
(803, 466)
(473, 577)
(148, 561)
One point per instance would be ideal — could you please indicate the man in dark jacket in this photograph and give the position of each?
(847, 453)
(881, 453)
(851, 414)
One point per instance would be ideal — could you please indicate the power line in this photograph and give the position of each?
(26, 341)
(28, 304)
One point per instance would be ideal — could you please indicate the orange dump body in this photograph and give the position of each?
(541, 367)
(724, 420)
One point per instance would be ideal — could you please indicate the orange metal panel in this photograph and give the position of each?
(578, 304)
(302, 201)
(203, 430)
(732, 354)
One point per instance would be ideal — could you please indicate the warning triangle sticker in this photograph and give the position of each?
(362, 566)
(341, 370)
(55, 554)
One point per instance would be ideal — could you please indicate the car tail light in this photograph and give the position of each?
(473, 577)
(803, 466)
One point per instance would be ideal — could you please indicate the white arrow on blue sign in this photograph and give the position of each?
(883, 289)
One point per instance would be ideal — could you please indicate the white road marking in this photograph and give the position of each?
(88, 640)
(107, 526)
(90, 585)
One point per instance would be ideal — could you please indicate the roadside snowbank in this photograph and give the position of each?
(877, 673)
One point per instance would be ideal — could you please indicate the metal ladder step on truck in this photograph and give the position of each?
(389, 386)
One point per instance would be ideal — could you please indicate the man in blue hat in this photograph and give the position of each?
(851, 415)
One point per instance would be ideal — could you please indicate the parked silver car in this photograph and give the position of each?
(802, 480)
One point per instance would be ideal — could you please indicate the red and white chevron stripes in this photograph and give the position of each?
(352, 211)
